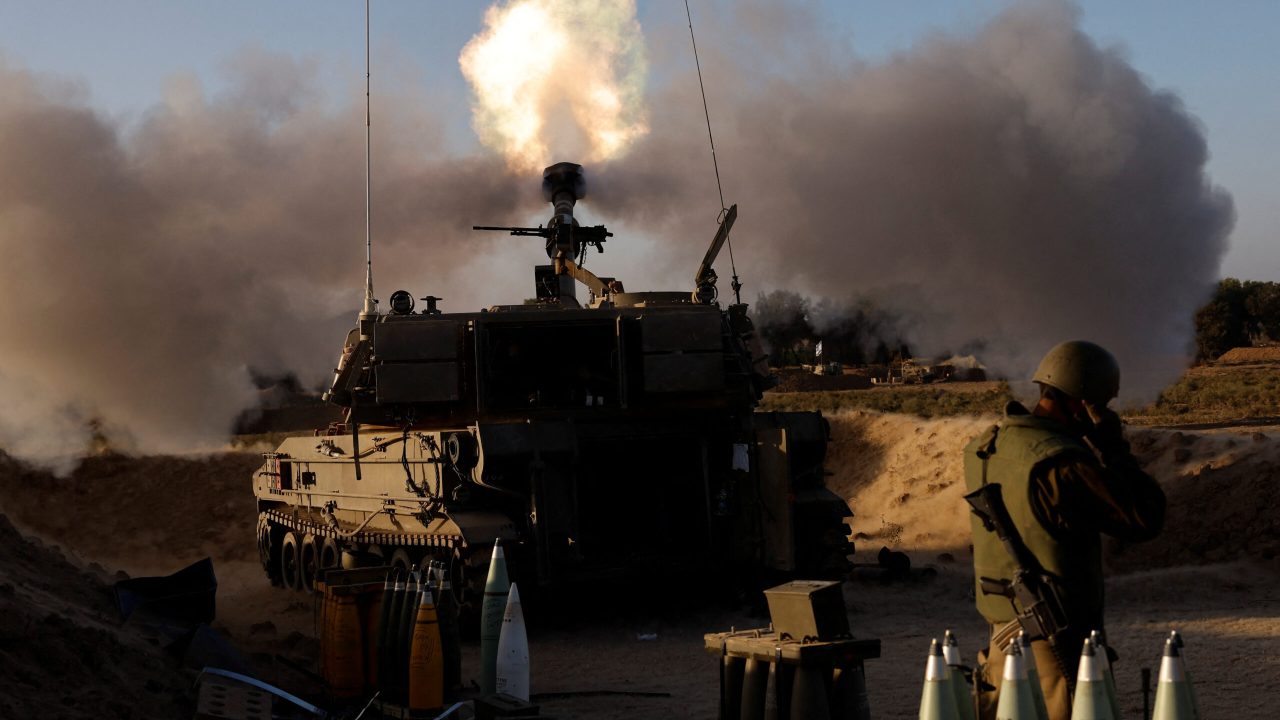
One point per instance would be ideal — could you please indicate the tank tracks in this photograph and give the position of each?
(294, 549)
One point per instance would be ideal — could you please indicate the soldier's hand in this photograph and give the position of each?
(1107, 430)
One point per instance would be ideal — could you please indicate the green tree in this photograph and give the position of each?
(1262, 304)
(1223, 323)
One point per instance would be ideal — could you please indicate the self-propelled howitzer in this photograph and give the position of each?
(610, 434)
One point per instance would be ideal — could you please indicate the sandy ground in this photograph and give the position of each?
(1213, 575)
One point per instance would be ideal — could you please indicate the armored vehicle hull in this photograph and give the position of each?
(610, 437)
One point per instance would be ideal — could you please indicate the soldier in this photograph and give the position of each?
(1067, 477)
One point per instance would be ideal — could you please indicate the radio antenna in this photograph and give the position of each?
(370, 309)
(724, 211)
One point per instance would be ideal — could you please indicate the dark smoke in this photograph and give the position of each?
(1012, 189)
(858, 333)
(145, 272)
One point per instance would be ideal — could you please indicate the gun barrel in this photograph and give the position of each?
(996, 587)
(976, 502)
(988, 503)
(563, 185)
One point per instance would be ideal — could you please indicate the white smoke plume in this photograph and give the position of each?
(1008, 190)
(556, 79)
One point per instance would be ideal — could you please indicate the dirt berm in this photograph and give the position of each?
(904, 478)
(63, 653)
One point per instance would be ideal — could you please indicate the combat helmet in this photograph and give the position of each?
(1081, 369)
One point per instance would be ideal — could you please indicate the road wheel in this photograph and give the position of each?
(264, 545)
(309, 562)
(401, 561)
(269, 537)
(330, 554)
(290, 562)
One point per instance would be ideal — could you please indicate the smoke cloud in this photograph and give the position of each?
(1006, 190)
(146, 272)
(558, 76)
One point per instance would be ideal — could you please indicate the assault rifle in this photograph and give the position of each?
(1038, 607)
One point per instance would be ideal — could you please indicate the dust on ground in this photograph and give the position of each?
(1212, 575)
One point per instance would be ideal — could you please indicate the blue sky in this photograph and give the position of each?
(1221, 58)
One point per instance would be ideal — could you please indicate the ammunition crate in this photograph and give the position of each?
(808, 610)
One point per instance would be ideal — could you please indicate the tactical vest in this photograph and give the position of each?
(1074, 563)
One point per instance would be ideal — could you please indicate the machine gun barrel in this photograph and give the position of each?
(583, 234)
(539, 231)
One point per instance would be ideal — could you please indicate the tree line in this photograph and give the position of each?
(1240, 314)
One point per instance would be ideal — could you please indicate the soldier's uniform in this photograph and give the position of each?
(1062, 496)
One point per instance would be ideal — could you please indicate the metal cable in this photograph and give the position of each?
(410, 485)
(714, 163)
(368, 171)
